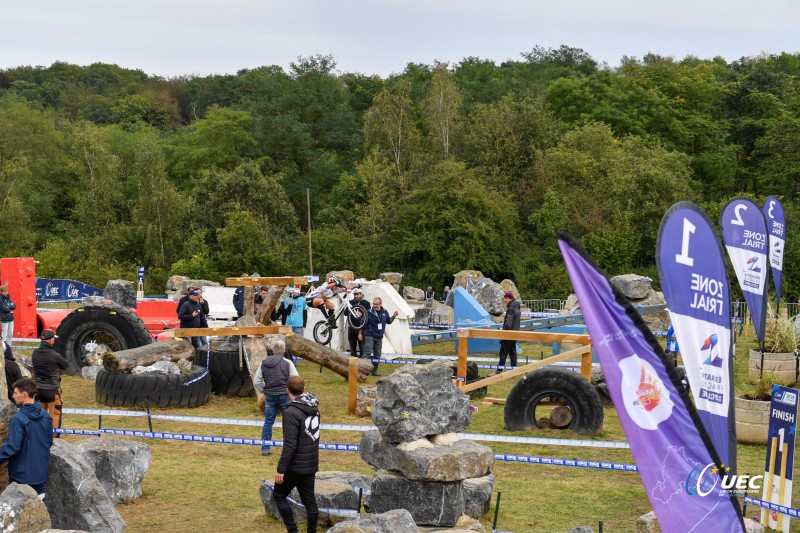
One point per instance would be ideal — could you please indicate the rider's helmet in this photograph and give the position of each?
(333, 279)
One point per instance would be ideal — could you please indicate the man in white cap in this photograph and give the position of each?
(352, 333)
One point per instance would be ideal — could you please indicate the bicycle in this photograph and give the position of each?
(356, 318)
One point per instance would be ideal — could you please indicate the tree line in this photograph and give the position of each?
(430, 171)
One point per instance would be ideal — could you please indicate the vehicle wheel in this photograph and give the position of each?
(119, 389)
(107, 323)
(322, 332)
(357, 318)
(229, 374)
(554, 398)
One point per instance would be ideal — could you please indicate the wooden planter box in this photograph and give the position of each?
(781, 366)
(752, 421)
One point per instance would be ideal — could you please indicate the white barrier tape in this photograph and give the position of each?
(789, 511)
(514, 458)
(347, 513)
(349, 427)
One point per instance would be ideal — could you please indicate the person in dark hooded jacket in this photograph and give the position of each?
(299, 460)
(30, 436)
(511, 322)
(13, 373)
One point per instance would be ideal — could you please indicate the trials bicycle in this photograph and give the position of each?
(356, 318)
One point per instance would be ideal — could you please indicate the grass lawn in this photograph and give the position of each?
(214, 487)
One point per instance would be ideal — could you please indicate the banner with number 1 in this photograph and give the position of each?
(695, 284)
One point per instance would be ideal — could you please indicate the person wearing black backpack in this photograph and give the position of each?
(299, 460)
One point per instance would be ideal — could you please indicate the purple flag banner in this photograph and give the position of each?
(694, 279)
(776, 226)
(745, 234)
(678, 465)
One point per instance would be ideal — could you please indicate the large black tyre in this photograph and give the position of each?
(104, 323)
(357, 318)
(229, 373)
(323, 332)
(119, 389)
(577, 405)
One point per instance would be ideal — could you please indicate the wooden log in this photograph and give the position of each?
(331, 359)
(265, 310)
(249, 301)
(126, 360)
(255, 348)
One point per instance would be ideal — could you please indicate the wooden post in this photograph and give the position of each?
(770, 479)
(782, 482)
(249, 301)
(463, 353)
(352, 391)
(586, 365)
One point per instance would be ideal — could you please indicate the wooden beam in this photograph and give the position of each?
(352, 389)
(232, 331)
(461, 367)
(273, 281)
(530, 336)
(520, 370)
(493, 401)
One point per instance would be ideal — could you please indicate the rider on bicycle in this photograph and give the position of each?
(321, 298)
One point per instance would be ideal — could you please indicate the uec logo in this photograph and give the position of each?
(703, 479)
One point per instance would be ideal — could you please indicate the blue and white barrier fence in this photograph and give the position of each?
(788, 511)
(346, 513)
(345, 427)
(215, 439)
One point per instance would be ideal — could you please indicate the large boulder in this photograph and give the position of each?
(394, 521)
(352, 479)
(174, 282)
(7, 410)
(120, 291)
(441, 313)
(487, 292)
(90, 372)
(344, 275)
(478, 495)
(119, 465)
(329, 494)
(165, 368)
(413, 293)
(395, 278)
(186, 283)
(365, 401)
(21, 510)
(430, 503)
(633, 286)
(75, 498)
(424, 461)
(508, 285)
(420, 400)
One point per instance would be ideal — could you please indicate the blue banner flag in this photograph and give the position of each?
(64, 289)
(745, 234)
(678, 465)
(695, 284)
(776, 226)
(777, 487)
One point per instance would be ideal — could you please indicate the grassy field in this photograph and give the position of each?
(214, 487)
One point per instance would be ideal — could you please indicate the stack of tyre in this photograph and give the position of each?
(121, 329)
(227, 366)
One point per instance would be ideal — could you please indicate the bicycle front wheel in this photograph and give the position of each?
(357, 318)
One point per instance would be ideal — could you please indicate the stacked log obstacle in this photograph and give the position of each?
(127, 360)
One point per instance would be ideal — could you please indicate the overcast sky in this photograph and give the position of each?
(173, 37)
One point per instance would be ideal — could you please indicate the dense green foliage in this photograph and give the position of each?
(430, 171)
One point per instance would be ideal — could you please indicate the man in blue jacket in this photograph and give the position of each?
(30, 436)
(295, 311)
(377, 320)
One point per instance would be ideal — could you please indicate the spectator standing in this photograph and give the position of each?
(355, 336)
(13, 373)
(430, 294)
(238, 298)
(299, 460)
(295, 311)
(270, 381)
(47, 367)
(511, 322)
(30, 436)
(7, 314)
(377, 320)
(191, 315)
(445, 293)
